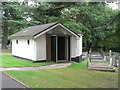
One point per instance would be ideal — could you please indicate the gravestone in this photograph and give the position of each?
(110, 55)
(119, 62)
(114, 61)
(111, 62)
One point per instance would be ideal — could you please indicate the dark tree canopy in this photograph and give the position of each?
(98, 23)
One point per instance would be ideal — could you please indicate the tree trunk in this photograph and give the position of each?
(5, 36)
(5, 30)
(88, 46)
(95, 47)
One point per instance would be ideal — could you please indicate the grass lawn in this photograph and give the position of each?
(10, 61)
(75, 76)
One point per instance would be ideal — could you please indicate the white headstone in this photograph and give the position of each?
(110, 61)
(110, 53)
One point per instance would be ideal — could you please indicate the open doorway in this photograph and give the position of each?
(61, 48)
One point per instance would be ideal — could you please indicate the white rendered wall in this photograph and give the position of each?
(41, 47)
(73, 46)
(79, 47)
(76, 46)
(22, 49)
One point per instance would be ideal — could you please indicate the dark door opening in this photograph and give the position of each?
(69, 49)
(61, 48)
(53, 48)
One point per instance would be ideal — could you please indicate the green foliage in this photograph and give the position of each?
(92, 19)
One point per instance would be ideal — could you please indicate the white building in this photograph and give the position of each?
(50, 42)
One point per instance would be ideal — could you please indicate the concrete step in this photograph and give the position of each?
(102, 69)
(97, 57)
(101, 66)
(96, 61)
(62, 61)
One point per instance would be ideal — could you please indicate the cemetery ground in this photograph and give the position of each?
(10, 61)
(75, 76)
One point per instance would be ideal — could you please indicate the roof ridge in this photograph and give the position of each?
(37, 26)
(44, 24)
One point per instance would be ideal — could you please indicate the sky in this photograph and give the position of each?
(113, 5)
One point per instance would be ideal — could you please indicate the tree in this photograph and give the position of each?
(91, 19)
(14, 19)
(5, 26)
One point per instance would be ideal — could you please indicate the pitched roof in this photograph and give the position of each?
(34, 30)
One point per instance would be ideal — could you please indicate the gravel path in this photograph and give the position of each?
(61, 65)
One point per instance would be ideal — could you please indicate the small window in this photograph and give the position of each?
(16, 41)
(28, 41)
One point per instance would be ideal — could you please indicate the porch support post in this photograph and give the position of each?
(69, 48)
(66, 48)
(48, 47)
(56, 49)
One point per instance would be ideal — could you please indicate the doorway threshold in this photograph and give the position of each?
(62, 61)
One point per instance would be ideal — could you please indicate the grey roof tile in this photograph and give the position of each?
(32, 30)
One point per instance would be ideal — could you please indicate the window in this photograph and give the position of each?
(28, 41)
(16, 41)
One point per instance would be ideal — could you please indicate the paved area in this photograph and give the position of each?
(61, 65)
(96, 57)
(7, 82)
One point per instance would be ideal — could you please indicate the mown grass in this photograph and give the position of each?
(10, 61)
(75, 76)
